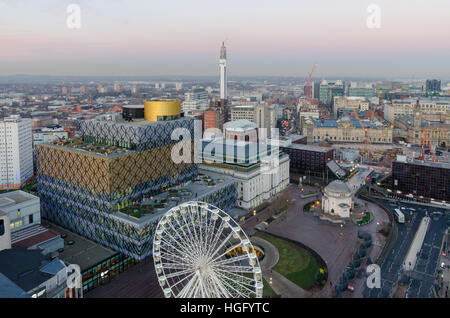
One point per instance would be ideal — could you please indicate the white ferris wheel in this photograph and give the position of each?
(201, 252)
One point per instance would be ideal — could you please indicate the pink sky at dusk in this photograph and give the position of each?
(263, 37)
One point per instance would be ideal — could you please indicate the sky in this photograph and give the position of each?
(263, 38)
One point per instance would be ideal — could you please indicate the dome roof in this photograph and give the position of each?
(338, 186)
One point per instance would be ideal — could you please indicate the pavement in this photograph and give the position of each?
(139, 281)
(333, 243)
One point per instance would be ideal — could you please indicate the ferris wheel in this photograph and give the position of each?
(199, 251)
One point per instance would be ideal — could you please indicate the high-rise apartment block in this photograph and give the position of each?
(16, 152)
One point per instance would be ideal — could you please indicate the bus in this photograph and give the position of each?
(399, 216)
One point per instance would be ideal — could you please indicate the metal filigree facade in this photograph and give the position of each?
(82, 190)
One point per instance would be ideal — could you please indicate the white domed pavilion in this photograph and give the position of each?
(337, 199)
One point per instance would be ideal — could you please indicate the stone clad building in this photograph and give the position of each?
(337, 199)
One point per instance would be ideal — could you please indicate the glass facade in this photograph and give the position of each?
(104, 271)
(304, 160)
(428, 180)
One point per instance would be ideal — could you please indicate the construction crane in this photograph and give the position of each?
(422, 156)
(309, 82)
(429, 146)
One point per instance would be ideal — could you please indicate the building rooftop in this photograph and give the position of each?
(338, 186)
(117, 119)
(196, 189)
(443, 165)
(329, 123)
(97, 148)
(240, 125)
(8, 289)
(9, 199)
(309, 148)
(83, 252)
(22, 266)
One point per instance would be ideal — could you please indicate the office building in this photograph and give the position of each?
(196, 100)
(421, 179)
(306, 159)
(433, 85)
(366, 91)
(242, 112)
(328, 90)
(265, 117)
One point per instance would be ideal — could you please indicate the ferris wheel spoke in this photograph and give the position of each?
(173, 258)
(213, 237)
(235, 269)
(248, 281)
(173, 250)
(217, 250)
(241, 294)
(175, 274)
(214, 242)
(182, 245)
(175, 266)
(192, 254)
(231, 259)
(191, 237)
(185, 236)
(187, 288)
(219, 287)
(239, 285)
(188, 239)
(196, 238)
(193, 290)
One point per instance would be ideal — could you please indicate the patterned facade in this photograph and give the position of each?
(120, 164)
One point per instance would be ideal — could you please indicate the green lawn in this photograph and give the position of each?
(268, 291)
(366, 219)
(295, 263)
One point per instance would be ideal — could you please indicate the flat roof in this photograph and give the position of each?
(198, 190)
(15, 197)
(136, 122)
(442, 165)
(308, 148)
(120, 151)
(84, 252)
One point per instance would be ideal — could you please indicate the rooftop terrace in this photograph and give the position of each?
(152, 208)
(98, 148)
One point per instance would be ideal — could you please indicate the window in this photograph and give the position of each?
(2, 227)
(30, 219)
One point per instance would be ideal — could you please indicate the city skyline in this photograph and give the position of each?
(263, 39)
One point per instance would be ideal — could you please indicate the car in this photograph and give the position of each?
(351, 288)
(443, 265)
